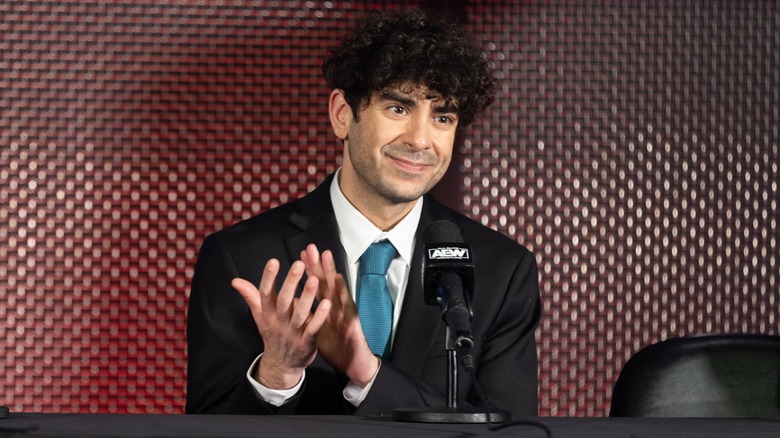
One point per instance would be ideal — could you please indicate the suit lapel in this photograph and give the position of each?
(315, 217)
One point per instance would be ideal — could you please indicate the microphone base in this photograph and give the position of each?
(460, 414)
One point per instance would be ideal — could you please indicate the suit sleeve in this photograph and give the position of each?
(505, 349)
(508, 368)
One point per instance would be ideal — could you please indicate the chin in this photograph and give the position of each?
(403, 196)
(406, 187)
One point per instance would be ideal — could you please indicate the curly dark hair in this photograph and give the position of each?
(405, 47)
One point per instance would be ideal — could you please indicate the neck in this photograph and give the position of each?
(381, 212)
(385, 217)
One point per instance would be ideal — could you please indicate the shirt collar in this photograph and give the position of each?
(357, 232)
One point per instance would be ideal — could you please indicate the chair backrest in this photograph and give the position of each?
(726, 375)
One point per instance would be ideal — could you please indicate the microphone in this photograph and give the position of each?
(448, 280)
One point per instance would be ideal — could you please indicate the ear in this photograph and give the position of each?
(340, 114)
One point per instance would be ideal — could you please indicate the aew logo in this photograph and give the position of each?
(448, 253)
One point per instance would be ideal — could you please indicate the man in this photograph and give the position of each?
(290, 339)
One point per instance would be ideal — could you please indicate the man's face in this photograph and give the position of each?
(400, 147)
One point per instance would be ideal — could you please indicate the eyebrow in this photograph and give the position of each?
(445, 107)
(398, 97)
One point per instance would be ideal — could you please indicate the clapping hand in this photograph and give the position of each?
(288, 326)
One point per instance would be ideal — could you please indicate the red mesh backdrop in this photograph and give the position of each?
(633, 147)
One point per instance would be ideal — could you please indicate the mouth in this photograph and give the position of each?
(410, 166)
(417, 163)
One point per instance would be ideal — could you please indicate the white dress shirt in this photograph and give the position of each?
(357, 233)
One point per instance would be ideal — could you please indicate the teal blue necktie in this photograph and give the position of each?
(375, 307)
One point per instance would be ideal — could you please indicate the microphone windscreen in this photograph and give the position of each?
(444, 251)
(441, 231)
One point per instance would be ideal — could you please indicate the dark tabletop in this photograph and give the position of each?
(128, 425)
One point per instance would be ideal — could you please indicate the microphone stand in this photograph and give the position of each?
(453, 412)
(452, 370)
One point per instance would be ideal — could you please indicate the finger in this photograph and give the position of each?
(287, 293)
(250, 293)
(318, 319)
(311, 257)
(302, 309)
(344, 297)
(329, 269)
(341, 287)
(305, 259)
(267, 281)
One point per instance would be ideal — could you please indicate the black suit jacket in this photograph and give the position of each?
(223, 339)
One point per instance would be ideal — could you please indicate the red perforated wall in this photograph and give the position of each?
(633, 147)
(635, 151)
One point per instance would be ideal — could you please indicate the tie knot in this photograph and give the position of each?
(376, 259)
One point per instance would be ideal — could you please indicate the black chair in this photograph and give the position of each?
(728, 375)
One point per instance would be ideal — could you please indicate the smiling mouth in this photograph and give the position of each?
(416, 162)
(410, 165)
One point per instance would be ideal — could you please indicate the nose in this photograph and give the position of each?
(417, 135)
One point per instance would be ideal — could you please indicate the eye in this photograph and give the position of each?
(397, 109)
(445, 119)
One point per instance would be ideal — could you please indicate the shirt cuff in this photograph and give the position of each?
(354, 394)
(275, 397)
